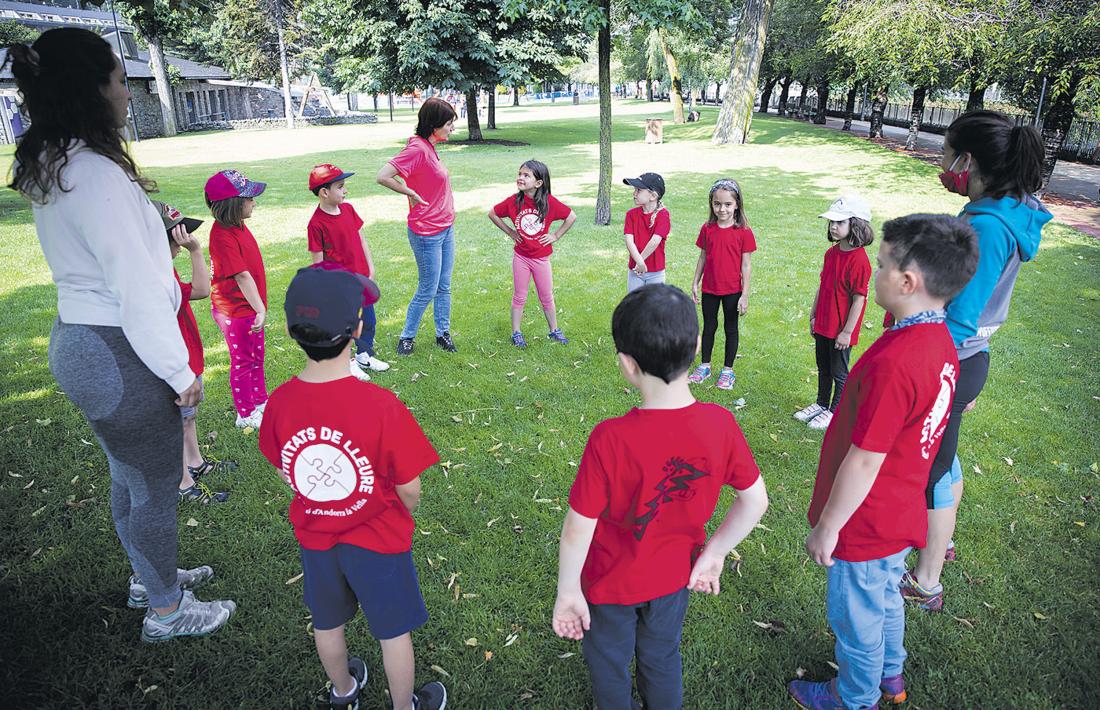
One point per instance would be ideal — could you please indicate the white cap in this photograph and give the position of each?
(848, 206)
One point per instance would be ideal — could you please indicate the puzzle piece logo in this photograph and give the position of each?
(529, 223)
(324, 473)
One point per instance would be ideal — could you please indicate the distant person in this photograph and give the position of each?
(115, 348)
(646, 227)
(529, 213)
(427, 185)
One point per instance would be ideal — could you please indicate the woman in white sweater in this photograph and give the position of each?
(116, 348)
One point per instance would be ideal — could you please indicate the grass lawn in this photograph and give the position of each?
(1021, 620)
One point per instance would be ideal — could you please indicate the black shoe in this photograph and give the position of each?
(405, 346)
(444, 341)
(211, 466)
(431, 696)
(201, 493)
(358, 671)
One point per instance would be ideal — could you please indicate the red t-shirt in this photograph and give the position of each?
(345, 445)
(530, 227)
(896, 401)
(233, 250)
(652, 478)
(845, 275)
(637, 223)
(337, 238)
(419, 166)
(724, 247)
(189, 328)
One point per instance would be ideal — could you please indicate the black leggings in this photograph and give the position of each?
(973, 372)
(710, 324)
(832, 371)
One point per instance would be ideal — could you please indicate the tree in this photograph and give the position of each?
(748, 47)
(11, 32)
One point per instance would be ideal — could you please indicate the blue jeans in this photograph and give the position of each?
(635, 282)
(867, 615)
(649, 632)
(435, 260)
(365, 342)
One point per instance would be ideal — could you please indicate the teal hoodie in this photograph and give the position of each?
(1008, 234)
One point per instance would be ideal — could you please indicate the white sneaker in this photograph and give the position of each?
(357, 371)
(192, 618)
(371, 362)
(808, 413)
(252, 420)
(821, 421)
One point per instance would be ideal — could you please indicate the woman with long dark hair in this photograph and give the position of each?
(115, 348)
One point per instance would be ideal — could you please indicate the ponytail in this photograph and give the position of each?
(1025, 158)
(1009, 157)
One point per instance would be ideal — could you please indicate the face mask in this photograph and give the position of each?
(956, 182)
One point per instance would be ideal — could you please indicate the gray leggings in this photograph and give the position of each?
(134, 416)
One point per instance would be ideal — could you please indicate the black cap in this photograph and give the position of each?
(648, 181)
(328, 298)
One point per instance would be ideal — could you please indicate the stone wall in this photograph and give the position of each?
(263, 124)
(199, 105)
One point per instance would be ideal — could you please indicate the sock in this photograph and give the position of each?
(352, 694)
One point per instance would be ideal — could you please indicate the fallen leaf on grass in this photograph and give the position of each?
(965, 622)
(494, 448)
(1040, 616)
(1009, 461)
(773, 437)
(75, 479)
(43, 422)
(38, 512)
(799, 672)
(488, 656)
(192, 523)
(834, 666)
(86, 442)
(472, 641)
(490, 523)
(440, 671)
(15, 475)
(1079, 522)
(29, 484)
(456, 418)
(295, 578)
(510, 640)
(566, 655)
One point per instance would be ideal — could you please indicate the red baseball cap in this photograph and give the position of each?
(325, 174)
(230, 183)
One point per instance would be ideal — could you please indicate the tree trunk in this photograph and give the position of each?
(649, 89)
(766, 94)
(975, 101)
(802, 99)
(822, 101)
(735, 117)
(878, 107)
(675, 79)
(849, 108)
(390, 102)
(491, 123)
(515, 96)
(784, 94)
(603, 190)
(1056, 126)
(916, 115)
(375, 97)
(288, 105)
(164, 88)
(472, 123)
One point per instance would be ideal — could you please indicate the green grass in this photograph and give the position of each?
(1021, 623)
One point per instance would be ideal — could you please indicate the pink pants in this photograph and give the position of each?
(523, 270)
(246, 361)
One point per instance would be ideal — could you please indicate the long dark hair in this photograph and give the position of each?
(61, 77)
(542, 194)
(1010, 157)
(433, 114)
(740, 219)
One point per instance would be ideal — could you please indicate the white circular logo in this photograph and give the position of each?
(530, 224)
(324, 473)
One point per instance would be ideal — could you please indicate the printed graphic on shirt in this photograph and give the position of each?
(325, 467)
(528, 223)
(936, 421)
(674, 486)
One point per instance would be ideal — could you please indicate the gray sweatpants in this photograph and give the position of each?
(134, 416)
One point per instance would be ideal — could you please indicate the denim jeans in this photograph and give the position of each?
(435, 260)
(867, 614)
(635, 282)
(365, 342)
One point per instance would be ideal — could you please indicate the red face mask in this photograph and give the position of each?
(956, 182)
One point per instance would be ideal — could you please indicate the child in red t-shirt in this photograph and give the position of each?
(335, 234)
(530, 213)
(633, 540)
(724, 268)
(238, 296)
(839, 303)
(353, 453)
(868, 506)
(645, 229)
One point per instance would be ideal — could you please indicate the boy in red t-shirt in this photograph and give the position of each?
(353, 454)
(868, 506)
(335, 234)
(633, 540)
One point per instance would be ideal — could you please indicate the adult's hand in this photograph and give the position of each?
(190, 396)
(415, 199)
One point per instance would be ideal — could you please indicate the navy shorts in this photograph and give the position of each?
(340, 579)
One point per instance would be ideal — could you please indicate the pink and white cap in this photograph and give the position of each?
(230, 183)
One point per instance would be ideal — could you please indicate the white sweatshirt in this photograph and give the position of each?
(108, 252)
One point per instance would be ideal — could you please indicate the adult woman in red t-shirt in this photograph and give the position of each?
(431, 220)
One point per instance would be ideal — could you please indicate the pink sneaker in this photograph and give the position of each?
(700, 373)
(726, 378)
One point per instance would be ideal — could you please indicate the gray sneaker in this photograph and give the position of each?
(192, 618)
(431, 696)
(188, 579)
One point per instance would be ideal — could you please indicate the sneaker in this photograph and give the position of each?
(918, 596)
(444, 341)
(405, 347)
(893, 689)
(357, 372)
(252, 420)
(700, 373)
(726, 378)
(201, 493)
(259, 410)
(518, 340)
(371, 362)
(358, 671)
(192, 618)
(821, 421)
(188, 579)
(557, 336)
(431, 696)
(211, 466)
(816, 696)
(808, 413)
(949, 556)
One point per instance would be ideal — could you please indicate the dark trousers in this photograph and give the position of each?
(710, 324)
(648, 632)
(365, 342)
(973, 372)
(832, 371)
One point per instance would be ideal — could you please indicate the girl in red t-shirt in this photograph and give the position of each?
(839, 304)
(238, 293)
(529, 213)
(725, 247)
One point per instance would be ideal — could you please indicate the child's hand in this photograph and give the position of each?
(812, 319)
(258, 322)
(548, 239)
(184, 239)
(695, 291)
(515, 236)
(820, 544)
(743, 304)
(843, 341)
(640, 268)
(706, 574)
(571, 618)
